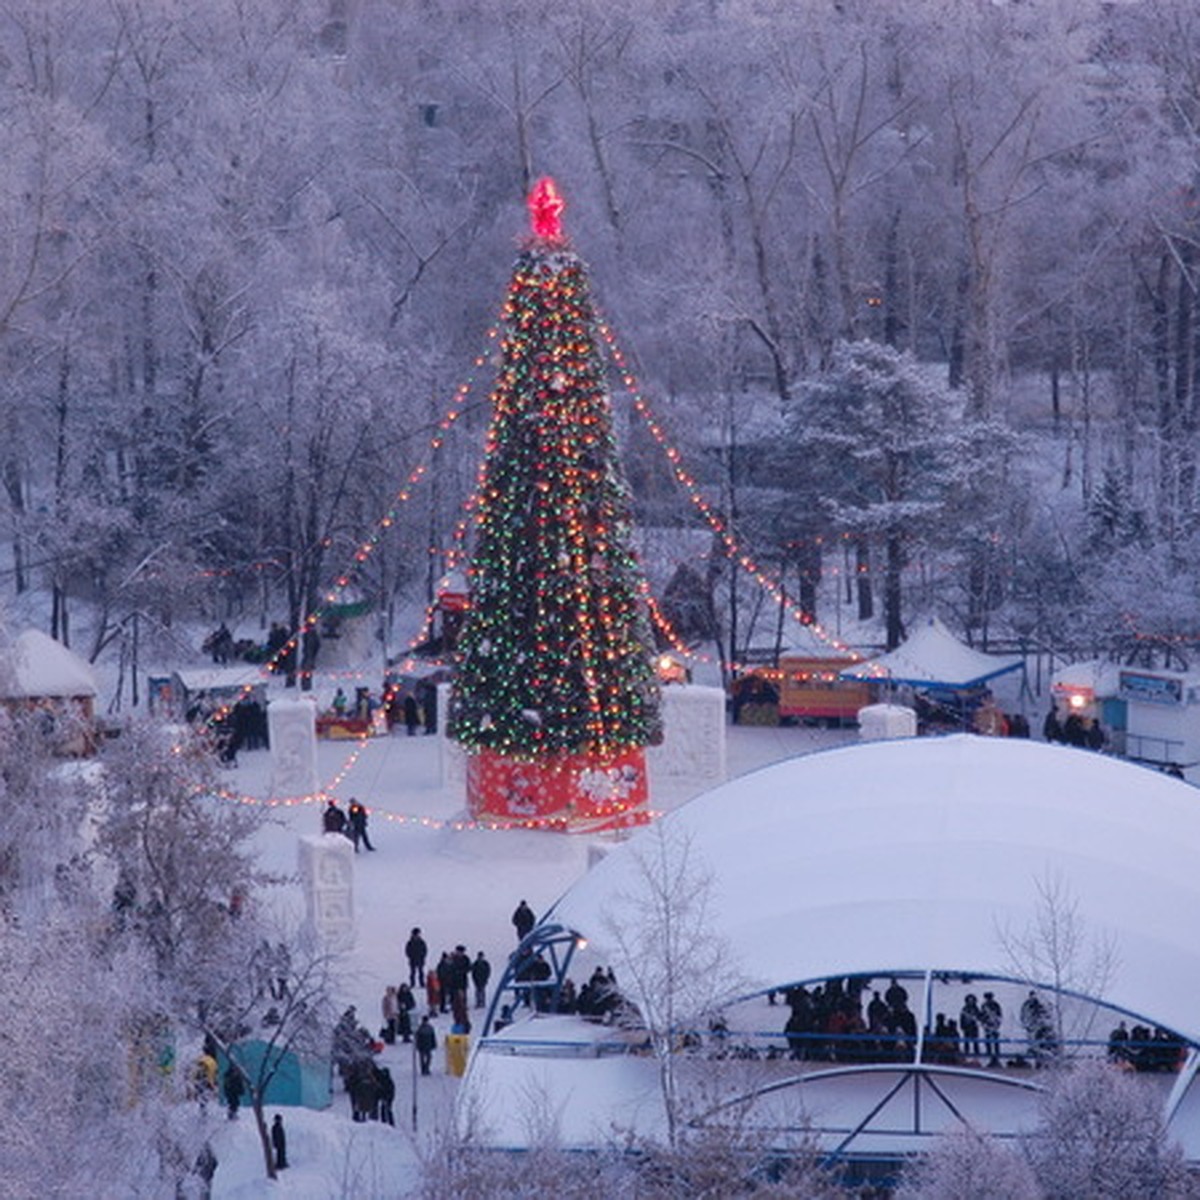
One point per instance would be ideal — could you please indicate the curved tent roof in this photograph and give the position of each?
(934, 657)
(43, 667)
(914, 854)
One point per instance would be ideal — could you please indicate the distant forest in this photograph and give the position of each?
(910, 287)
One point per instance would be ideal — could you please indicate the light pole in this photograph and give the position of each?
(414, 1084)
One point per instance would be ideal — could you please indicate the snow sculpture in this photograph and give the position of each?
(293, 729)
(693, 745)
(878, 722)
(326, 863)
(452, 759)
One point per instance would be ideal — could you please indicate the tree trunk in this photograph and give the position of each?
(891, 589)
(264, 1134)
(862, 577)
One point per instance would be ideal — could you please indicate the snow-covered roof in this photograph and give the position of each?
(917, 854)
(220, 679)
(934, 656)
(43, 667)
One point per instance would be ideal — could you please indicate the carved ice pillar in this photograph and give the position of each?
(293, 730)
(326, 862)
(693, 745)
(451, 758)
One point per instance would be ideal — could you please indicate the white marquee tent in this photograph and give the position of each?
(911, 858)
(934, 657)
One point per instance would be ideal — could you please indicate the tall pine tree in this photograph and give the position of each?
(556, 655)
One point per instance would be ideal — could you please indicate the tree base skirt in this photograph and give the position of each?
(571, 792)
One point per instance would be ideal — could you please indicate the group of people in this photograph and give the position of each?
(370, 1086)
(351, 822)
(1085, 732)
(451, 982)
(829, 1022)
(414, 708)
(1145, 1049)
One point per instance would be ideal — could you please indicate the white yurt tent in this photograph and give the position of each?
(39, 672)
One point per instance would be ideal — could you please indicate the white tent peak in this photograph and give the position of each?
(933, 656)
(40, 666)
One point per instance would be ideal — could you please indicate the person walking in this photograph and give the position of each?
(416, 951)
(279, 1142)
(358, 825)
(426, 1044)
(523, 920)
(481, 972)
(233, 1088)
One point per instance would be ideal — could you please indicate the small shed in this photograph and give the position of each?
(207, 689)
(44, 674)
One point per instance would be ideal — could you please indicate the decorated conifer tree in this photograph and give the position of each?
(555, 694)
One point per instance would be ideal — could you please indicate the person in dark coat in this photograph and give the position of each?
(416, 951)
(279, 1142)
(445, 972)
(1051, 728)
(1073, 731)
(412, 714)
(358, 825)
(387, 1094)
(426, 1044)
(233, 1088)
(405, 1003)
(481, 972)
(333, 820)
(991, 1017)
(363, 1086)
(523, 920)
(460, 977)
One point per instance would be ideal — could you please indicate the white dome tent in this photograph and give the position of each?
(922, 859)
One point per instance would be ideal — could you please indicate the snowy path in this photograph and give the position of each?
(459, 886)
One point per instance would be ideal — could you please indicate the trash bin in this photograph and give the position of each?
(457, 1045)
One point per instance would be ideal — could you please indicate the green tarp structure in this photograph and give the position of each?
(299, 1080)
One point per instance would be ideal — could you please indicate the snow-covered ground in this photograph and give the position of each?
(460, 885)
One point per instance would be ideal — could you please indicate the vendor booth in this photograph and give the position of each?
(807, 683)
(1147, 715)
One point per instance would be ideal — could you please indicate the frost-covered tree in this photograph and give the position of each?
(182, 867)
(1101, 1134)
(1056, 950)
(671, 967)
(881, 443)
(41, 813)
(972, 1164)
(276, 993)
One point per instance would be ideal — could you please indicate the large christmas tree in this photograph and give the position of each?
(555, 692)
